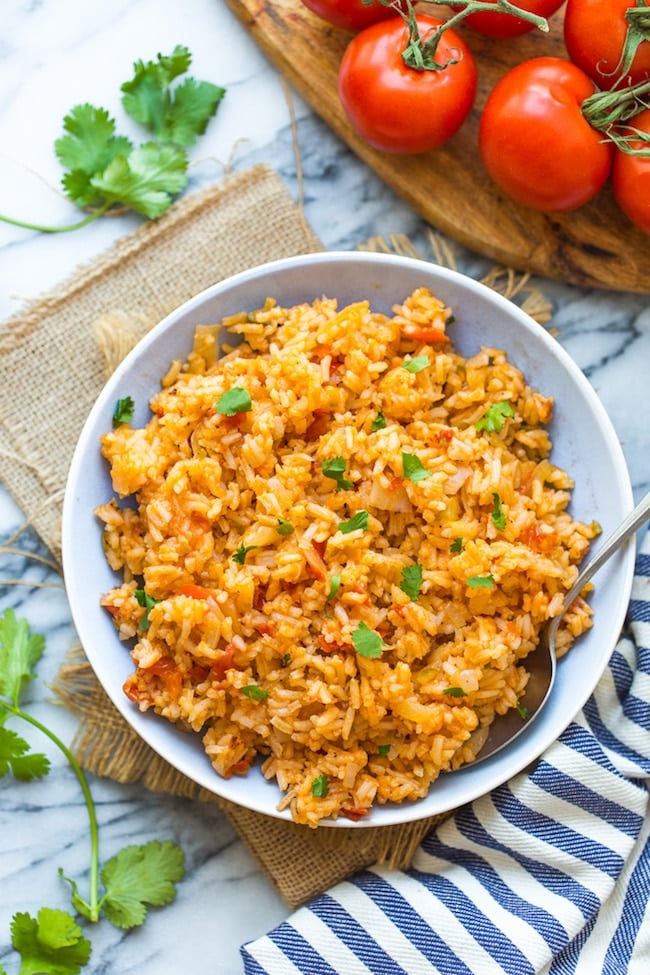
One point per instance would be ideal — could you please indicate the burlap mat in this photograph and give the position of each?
(54, 362)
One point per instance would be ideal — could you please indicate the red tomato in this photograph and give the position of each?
(350, 14)
(594, 35)
(505, 25)
(534, 141)
(399, 109)
(631, 178)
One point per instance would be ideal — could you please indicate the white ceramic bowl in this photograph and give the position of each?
(584, 444)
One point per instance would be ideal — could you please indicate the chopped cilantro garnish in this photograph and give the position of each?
(523, 711)
(494, 417)
(254, 692)
(284, 527)
(240, 555)
(498, 514)
(123, 412)
(481, 582)
(379, 422)
(360, 520)
(416, 364)
(335, 585)
(413, 468)
(235, 400)
(320, 787)
(286, 659)
(454, 692)
(383, 750)
(147, 602)
(334, 468)
(411, 582)
(367, 642)
(456, 546)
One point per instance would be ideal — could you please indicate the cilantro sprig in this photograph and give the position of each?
(103, 169)
(53, 943)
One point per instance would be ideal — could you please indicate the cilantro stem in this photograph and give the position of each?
(57, 230)
(93, 906)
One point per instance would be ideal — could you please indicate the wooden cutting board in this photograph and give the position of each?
(593, 246)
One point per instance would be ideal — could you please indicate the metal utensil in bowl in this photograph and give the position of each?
(541, 663)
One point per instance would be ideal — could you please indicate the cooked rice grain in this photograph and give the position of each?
(261, 619)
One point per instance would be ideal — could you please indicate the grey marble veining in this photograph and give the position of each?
(53, 54)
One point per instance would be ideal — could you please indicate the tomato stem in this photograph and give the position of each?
(611, 111)
(638, 31)
(420, 52)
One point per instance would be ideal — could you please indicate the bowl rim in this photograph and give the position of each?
(473, 781)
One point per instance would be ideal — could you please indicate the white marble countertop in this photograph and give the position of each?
(54, 54)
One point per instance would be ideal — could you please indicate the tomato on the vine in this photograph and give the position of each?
(499, 24)
(534, 140)
(400, 109)
(351, 14)
(595, 33)
(631, 176)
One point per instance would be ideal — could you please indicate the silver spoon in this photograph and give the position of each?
(541, 663)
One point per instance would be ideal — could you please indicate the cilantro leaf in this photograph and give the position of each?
(455, 692)
(481, 582)
(177, 116)
(498, 514)
(320, 787)
(522, 710)
(335, 585)
(379, 422)
(284, 527)
(334, 468)
(254, 692)
(194, 104)
(360, 520)
(235, 400)
(20, 651)
(146, 180)
(411, 582)
(88, 148)
(456, 546)
(240, 555)
(416, 364)
(147, 602)
(494, 417)
(140, 876)
(383, 750)
(52, 943)
(123, 412)
(367, 642)
(15, 755)
(413, 468)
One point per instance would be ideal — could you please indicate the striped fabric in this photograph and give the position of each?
(550, 873)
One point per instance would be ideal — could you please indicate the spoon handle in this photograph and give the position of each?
(625, 530)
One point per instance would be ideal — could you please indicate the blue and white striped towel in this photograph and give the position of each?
(550, 873)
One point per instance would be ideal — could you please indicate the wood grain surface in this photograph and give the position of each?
(595, 245)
